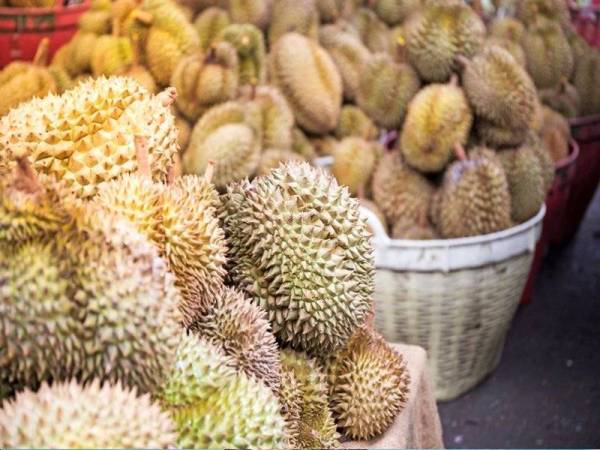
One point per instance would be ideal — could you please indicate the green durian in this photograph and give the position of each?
(300, 311)
(355, 123)
(97, 22)
(440, 32)
(209, 24)
(250, 45)
(255, 12)
(309, 80)
(373, 32)
(385, 90)
(394, 12)
(298, 16)
(111, 55)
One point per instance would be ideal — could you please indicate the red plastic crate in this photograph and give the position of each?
(22, 29)
(587, 22)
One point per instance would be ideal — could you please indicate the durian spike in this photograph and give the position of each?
(168, 96)
(25, 176)
(41, 54)
(144, 17)
(141, 152)
(459, 151)
(210, 170)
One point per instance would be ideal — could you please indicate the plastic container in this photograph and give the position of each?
(22, 29)
(557, 203)
(586, 22)
(455, 297)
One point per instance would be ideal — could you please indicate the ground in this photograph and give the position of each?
(546, 391)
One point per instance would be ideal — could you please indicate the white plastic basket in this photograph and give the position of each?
(455, 297)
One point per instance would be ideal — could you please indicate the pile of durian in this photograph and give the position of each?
(140, 308)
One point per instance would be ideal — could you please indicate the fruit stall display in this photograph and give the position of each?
(170, 256)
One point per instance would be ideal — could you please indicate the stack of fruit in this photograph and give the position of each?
(139, 308)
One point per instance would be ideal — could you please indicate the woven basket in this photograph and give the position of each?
(455, 297)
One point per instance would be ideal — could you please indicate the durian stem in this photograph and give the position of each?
(26, 177)
(459, 151)
(168, 96)
(41, 54)
(454, 80)
(141, 151)
(144, 17)
(210, 170)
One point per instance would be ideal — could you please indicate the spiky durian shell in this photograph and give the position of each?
(215, 407)
(529, 10)
(385, 90)
(299, 16)
(226, 136)
(369, 385)
(71, 415)
(525, 182)
(61, 78)
(585, 80)
(250, 45)
(499, 89)
(512, 47)
(111, 55)
(97, 22)
(440, 32)
(507, 28)
(85, 137)
(270, 109)
(255, 12)
(399, 191)
(162, 55)
(355, 123)
(549, 56)
(304, 402)
(185, 130)
(243, 331)
(563, 98)
(394, 12)
(332, 10)
(546, 163)
(203, 81)
(373, 32)
(302, 145)
(407, 229)
(19, 86)
(474, 198)
(349, 55)
(499, 136)
(272, 158)
(309, 80)
(300, 311)
(438, 118)
(555, 134)
(209, 24)
(354, 160)
(368, 204)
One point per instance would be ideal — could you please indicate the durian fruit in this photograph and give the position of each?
(325, 145)
(183, 137)
(544, 158)
(85, 137)
(507, 28)
(111, 55)
(225, 135)
(528, 11)
(97, 19)
(385, 90)
(139, 72)
(408, 229)
(563, 98)
(272, 158)
(512, 47)
(299, 16)
(215, 407)
(270, 109)
(499, 89)
(20, 81)
(332, 10)
(394, 12)
(368, 385)
(525, 182)
(354, 160)
(355, 123)
(368, 204)
(79, 53)
(61, 78)
(438, 118)
(255, 12)
(318, 308)
(302, 145)
(304, 398)
(499, 136)
(555, 134)
(400, 192)
(585, 80)
(250, 45)
(243, 331)
(209, 24)
(206, 80)
(549, 56)
(309, 80)
(438, 33)
(371, 30)
(349, 55)
(474, 197)
(71, 415)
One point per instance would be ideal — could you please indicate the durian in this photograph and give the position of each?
(400, 192)
(332, 10)
(215, 407)
(317, 308)
(139, 72)
(474, 197)
(71, 415)
(369, 385)
(302, 145)
(111, 54)
(555, 134)
(299, 16)
(385, 90)
(183, 137)
(373, 32)
(96, 21)
(309, 80)
(544, 158)
(512, 47)
(355, 123)
(368, 204)
(394, 12)
(242, 330)
(585, 80)
(206, 80)
(354, 160)
(209, 25)
(438, 118)
(563, 98)
(250, 45)
(408, 229)
(272, 158)
(440, 32)
(255, 12)
(507, 28)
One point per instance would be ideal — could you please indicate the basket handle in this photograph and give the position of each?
(379, 233)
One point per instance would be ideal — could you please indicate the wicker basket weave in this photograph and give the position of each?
(455, 297)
